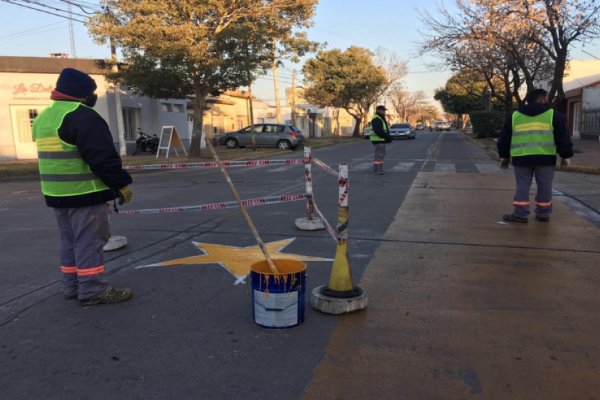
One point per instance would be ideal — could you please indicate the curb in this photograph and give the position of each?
(575, 168)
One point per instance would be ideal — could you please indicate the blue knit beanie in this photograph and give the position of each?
(75, 83)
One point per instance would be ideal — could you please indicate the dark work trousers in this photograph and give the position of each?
(544, 175)
(83, 233)
(379, 156)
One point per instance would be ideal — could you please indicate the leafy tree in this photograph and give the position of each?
(344, 79)
(463, 93)
(195, 47)
(519, 42)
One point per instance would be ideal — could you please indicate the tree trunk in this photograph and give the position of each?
(199, 104)
(557, 93)
(357, 123)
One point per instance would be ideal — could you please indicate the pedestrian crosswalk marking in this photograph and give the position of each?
(444, 167)
(363, 166)
(407, 166)
(488, 168)
(402, 167)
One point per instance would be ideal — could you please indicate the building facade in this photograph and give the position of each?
(25, 87)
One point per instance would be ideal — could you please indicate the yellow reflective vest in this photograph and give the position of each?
(62, 170)
(532, 135)
(372, 135)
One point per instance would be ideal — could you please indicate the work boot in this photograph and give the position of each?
(514, 218)
(542, 218)
(110, 296)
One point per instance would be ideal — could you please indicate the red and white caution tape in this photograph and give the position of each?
(212, 164)
(287, 198)
(324, 166)
(327, 224)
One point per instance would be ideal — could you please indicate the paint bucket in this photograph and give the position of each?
(278, 299)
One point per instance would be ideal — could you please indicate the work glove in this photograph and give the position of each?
(505, 163)
(565, 162)
(124, 195)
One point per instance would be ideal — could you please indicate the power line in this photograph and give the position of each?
(30, 30)
(37, 3)
(44, 11)
(590, 54)
(78, 6)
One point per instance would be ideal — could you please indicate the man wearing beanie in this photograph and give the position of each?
(80, 172)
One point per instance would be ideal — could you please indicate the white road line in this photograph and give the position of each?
(487, 168)
(363, 166)
(402, 167)
(444, 167)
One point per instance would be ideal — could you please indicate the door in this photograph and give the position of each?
(270, 135)
(131, 123)
(22, 118)
(577, 120)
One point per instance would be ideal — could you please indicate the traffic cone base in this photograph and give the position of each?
(337, 305)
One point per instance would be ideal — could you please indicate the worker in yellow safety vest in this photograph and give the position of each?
(532, 138)
(379, 134)
(80, 172)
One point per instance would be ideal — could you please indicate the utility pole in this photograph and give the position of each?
(118, 109)
(71, 34)
(276, 81)
(117, 94)
(294, 98)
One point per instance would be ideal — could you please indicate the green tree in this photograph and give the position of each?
(465, 92)
(345, 79)
(195, 47)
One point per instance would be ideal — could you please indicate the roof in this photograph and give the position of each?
(578, 90)
(48, 65)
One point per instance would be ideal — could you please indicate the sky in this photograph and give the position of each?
(392, 25)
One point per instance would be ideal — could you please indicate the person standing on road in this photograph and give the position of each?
(380, 135)
(533, 137)
(80, 172)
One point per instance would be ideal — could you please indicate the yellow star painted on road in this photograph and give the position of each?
(237, 260)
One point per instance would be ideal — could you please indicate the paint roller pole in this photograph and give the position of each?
(310, 223)
(340, 296)
(259, 241)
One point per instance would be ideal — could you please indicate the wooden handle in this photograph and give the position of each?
(261, 244)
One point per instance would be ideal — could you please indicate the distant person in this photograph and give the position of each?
(380, 135)
(533, 137)
(80, 172)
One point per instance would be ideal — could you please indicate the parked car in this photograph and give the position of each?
(402, 131)
(440, 126)
(281, 136)
(367, 131)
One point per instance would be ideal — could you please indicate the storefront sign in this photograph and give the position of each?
(33, 91)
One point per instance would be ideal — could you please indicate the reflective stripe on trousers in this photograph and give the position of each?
(544, 175)
(83, 233)
(379, 156)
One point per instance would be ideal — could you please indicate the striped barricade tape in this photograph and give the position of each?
(213, 164)
(327, 224)
(325, 166)
(287, 198)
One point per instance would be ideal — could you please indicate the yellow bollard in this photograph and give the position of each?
(340, 295)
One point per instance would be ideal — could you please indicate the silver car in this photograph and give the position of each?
(402, 131)
(281, 136)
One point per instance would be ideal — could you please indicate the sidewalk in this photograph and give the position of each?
(462, 306)
(590, 152)
(586, 158)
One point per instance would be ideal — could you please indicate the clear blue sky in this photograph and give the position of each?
(390, 24)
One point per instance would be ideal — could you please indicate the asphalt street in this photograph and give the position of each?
(188, 333)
